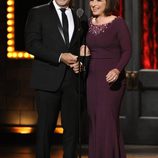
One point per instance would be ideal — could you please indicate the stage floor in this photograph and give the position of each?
(27, 151)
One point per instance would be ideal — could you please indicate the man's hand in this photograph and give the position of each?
(76, 66)
(68, 58)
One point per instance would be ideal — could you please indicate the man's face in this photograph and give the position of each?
(63, 3)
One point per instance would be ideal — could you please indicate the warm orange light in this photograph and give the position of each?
(10, 42)
(59, 130)
(31, 56)
(29, 130)
(10, 49)
(10, 35)
(10, 2)
(22, 130)
(9, 55)
(26, 55)
(12, 53)
(10, 29)
(20, 55)
(10, 15)
(15, 55)
(10, 9)
(10, 22)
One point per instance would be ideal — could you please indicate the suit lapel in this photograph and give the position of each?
(57, 20)
(76, 24)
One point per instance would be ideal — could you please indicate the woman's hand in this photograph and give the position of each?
(112, 75)
(84, 51)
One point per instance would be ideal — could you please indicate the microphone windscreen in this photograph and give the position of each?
(79, 12)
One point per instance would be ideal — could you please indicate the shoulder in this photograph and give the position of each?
(120, 23)
(121, 26)
(39, 11)
(40, 8)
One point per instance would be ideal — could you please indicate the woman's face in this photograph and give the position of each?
(97, 7)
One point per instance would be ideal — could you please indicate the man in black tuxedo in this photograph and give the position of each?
(53, 36)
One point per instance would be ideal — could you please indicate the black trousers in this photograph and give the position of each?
(48, 106)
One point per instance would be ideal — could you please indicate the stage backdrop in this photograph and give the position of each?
(150, 34)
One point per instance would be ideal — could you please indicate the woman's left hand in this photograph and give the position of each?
(112, 75)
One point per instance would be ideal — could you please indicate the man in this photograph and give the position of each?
(52, 35)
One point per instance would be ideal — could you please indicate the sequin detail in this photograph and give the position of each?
(97, 29)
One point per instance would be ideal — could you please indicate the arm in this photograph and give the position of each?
(33, 39)
(125, 45)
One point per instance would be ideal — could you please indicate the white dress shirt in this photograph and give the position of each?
(68, 12)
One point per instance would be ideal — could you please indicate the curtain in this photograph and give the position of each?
(121, 7)
(149, 58)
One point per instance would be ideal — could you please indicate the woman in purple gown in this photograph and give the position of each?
(109, 43)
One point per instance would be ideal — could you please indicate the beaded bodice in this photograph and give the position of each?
(97, 29)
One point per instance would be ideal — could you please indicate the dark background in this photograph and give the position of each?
(21, 11)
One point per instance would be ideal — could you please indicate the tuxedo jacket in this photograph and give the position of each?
(43, 39)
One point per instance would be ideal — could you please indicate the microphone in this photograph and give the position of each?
(79, 12)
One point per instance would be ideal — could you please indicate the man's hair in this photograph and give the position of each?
(112, 7)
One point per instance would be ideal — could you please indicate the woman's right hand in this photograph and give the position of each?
(112, 75)
(84, 51)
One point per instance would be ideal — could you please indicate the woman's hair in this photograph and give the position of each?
(71, 4)
(112, 7)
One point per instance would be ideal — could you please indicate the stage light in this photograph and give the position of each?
(15, 55)
(10, 15)
(10, 29)
(10, 42)
(10, 35)
(10, 9)
(10, 2)
(10, 49)
(22, 130)
(9, 55)
(26, 55)
(31, 56)
(20, 55)
(12, 53)
(59, 130)
(10, 22)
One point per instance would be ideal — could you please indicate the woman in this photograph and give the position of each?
(109, 42)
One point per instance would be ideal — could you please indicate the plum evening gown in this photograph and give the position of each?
(110, 48)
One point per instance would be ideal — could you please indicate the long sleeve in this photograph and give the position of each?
(125, 45)
(33, 39)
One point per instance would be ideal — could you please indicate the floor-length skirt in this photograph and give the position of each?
(103, 102)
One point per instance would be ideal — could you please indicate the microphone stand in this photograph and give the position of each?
(79, 91)
(79, 13)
